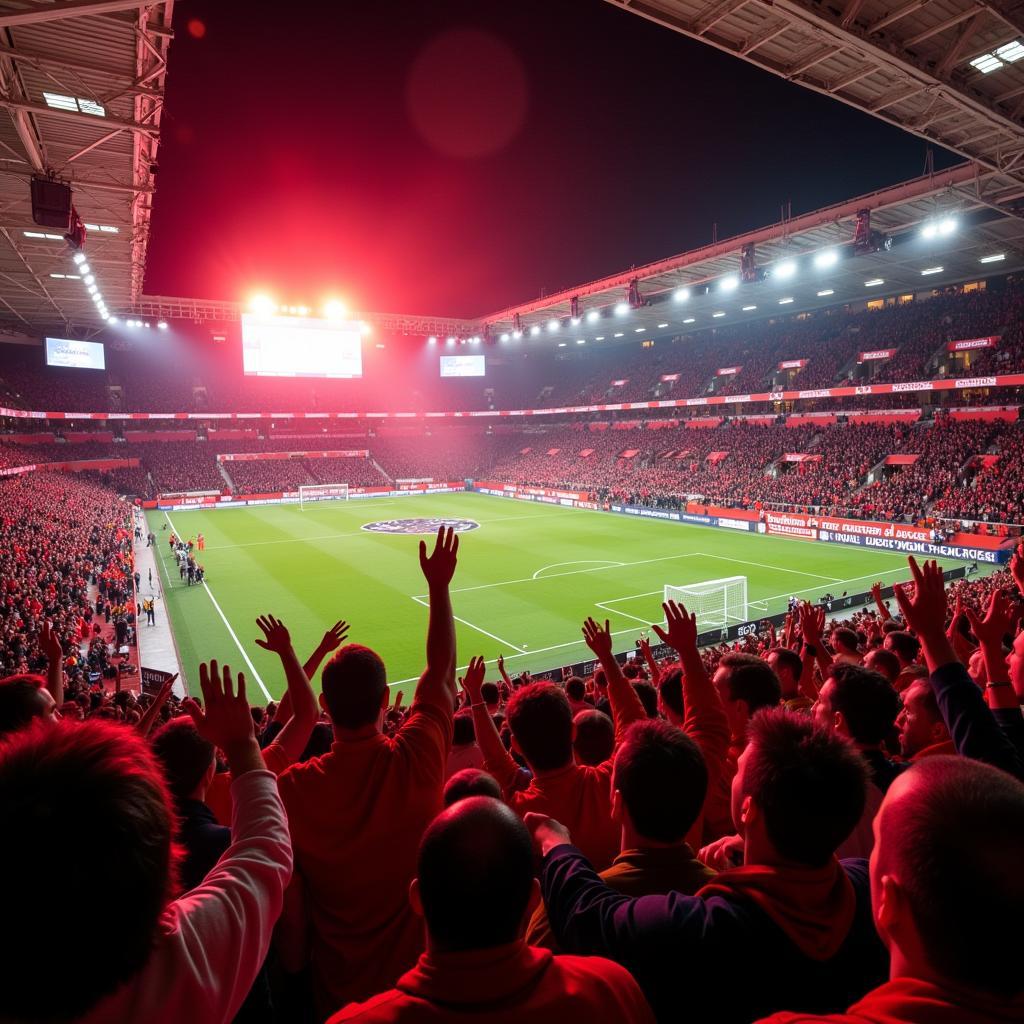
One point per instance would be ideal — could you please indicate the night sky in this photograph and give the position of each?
(457, 156)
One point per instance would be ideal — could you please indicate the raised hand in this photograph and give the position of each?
(680, 631)
(49, 644)
(439, 567)
(334, 637)
(812, 622)
(997, 622)
(276, 635)
(598, 640)
(547, 833)
(1017, 567)
(643, 645)
(226, 720)
(473, 680)
(925, 611)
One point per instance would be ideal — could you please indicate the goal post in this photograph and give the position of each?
(322, 492)
(716, 603)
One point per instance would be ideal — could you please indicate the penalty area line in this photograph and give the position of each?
(478, 629)
(227, 625)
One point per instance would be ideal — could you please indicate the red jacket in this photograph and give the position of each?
(911, 1001)
(512, 984)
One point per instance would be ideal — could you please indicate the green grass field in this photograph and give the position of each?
(526, 579)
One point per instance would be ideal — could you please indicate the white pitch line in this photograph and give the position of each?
(579, 561)
(478, 629)
(224, 619)
(777, 568)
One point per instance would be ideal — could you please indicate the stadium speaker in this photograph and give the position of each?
(51, 203)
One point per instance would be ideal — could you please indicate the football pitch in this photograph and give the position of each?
(528, 576)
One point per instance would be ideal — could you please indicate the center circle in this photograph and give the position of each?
(409, 526)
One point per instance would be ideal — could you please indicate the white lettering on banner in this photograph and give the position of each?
(815, 393)
(919, 385)
(976, 382)
(863, 389)
(738, 398)
(735, 524)
(696, 401)
(914, 547)
(776, 396)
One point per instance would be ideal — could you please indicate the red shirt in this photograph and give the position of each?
(356, 816)
(912, 1001)
(507, 985)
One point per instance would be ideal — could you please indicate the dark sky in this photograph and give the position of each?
(457, 156)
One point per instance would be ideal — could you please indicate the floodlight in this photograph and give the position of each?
(681, 294)
(535, 330)
(262, 304)
(594, 315)
(162, 325)
(784, 270)
(553, 325)
(335, 309)
(729, 284)
(621, 309)
(79, 257)
(826, 258)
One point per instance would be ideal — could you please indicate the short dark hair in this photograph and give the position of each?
(790, 659)
(670, 689)
(575, 688)
(470, 782)
(541, 722)
(94, 787)
(867, 701)
(185, 755)
(957, 837)
(905, 644)
(752, 679)
(489, 693)
(648, 697)
(889, 664)
(19, 701)
(845, 637)
(810, 783)
(475, 875)
(595, 737)
(354, 682)
(463, 730)
(663, 779)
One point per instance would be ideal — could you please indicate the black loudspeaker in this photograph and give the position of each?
(51, 203)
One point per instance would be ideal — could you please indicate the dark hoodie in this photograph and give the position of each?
(754, 941)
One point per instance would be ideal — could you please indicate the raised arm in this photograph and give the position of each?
(644, 647)
(150, 715)
(876, 593)
(332, 640)
(504, 675)
(705, 720)
(971, 724)
(626, 705)
(437, 684)
(49, 644)
(292, 739)
(812, 626)
(496, 758)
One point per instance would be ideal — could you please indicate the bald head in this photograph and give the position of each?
(950, 836)
(475, 875)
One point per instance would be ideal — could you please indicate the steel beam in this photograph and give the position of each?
(60, 10)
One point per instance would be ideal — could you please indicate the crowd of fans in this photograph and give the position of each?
(612, 848)
(188, 374)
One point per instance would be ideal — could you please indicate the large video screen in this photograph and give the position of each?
(79, 355)
(287, 346)
(462, 366)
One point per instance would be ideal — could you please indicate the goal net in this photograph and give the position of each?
(322, 492)
(717, 603)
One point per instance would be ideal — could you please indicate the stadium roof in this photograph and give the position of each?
(81, 85)
(947, 70)
(977, 233)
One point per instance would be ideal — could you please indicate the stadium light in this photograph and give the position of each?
(786, 301)
(717, 315)
(450, 341)
(504, 337)
(994, 258)
(112, 320)
(785, 270)
(931, 270)
(600, 337)
(147, 324)
(689, 320)
(432, 340)
(826, 291)
(681, 294)
(825, 259)
(575, 321)
(553, 325)
(79, 257)
(594, 315)
(639, 330)
(535, 330)
(517, 334)
(365, 329)
(621, 308)
(335, 309)
(619, 334)
(940, 227)
(89, 279)
(660, 326)
(874, 282)
(97, 298)
(162, 324)
(92, 289)
(262, 304)
(581, 341)
(729, 284)
(747, 309)
(561, 344)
